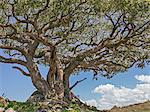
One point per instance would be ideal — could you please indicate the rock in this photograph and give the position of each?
(51, 106)
(3, 102)
(36, 97)
(10, 110)
(2, 109)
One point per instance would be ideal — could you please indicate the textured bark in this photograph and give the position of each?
(55, 74)
(66, 87)
(52, 70)
(39, 82)
(59, 70)
(59, 84)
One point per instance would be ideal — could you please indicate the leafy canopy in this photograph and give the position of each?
(105, 36)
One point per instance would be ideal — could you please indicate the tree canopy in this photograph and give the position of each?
(103, 36)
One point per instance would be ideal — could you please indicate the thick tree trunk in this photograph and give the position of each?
(57, 85)
(39, 82)
(55, 74)
(59, 91)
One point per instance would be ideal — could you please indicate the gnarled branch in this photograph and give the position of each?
(22, 71)
(14, 48)
(12, 61)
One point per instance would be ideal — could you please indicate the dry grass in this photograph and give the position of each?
(141, 107)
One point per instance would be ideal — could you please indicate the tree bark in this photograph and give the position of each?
(56, 85)
(59, 86)
(39, 82)
(52, 70)
(66, 87)
(55, 74)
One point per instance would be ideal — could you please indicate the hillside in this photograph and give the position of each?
(14, 106)
(140, 107)
(5, 104)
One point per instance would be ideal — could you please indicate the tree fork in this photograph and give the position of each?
(55, 73)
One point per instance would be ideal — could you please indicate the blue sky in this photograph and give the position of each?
(18, 87)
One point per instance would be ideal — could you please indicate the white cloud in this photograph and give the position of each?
(91, 102)
(104, 88)
(143, 78)
(122, 96)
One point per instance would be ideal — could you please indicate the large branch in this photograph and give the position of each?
(14, 48)
(9, 26)
(75, 61)
(12, 61)
(40, 38)
(19, 38)
(105, 43)
(14, 35)
(37, 79)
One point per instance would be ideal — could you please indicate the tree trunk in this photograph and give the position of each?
(55, 74)
(57, 85)
(66, 88)
(37, 80)
(60, 90)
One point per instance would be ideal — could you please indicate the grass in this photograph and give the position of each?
(29, 107)
(21, 106)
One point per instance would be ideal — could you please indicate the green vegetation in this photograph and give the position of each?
(21, 107)
(72, 107)
(30, 107)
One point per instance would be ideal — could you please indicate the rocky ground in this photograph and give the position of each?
(57, 106)
(53, 106)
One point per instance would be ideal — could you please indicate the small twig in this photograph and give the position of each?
(77, 83)
(22, 71)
